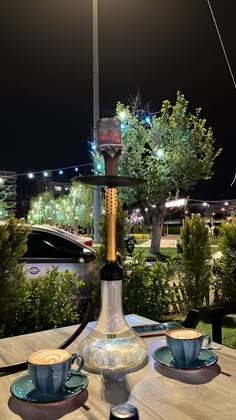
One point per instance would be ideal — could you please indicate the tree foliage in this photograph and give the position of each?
(13, 239)
(146, 290)
(225, 273)
(48, 302)
(195, 268)
(172, 152)
(37, 304)
(66, 208)
(7, 199)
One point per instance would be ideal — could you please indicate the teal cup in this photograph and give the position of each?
(186, 344)
(49, 369)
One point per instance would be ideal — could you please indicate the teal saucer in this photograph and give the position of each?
(23, 389)
(205, 359)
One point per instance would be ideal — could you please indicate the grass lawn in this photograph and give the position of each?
(228, 330)
(169, 252)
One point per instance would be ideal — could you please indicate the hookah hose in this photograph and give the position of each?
(23, 365)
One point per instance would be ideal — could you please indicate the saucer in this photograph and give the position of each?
(205, 359)
(23, 389)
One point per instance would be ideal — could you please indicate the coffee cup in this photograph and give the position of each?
(49, 369)
(185, 344)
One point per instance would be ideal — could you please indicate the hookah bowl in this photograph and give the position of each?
(112, 345)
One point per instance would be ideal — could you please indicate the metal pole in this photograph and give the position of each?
(96, 195)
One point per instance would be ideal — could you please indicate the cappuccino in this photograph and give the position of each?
(185, 344)
(184, 334)
(49, 369)
(49, 357)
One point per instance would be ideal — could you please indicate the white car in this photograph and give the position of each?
(86, 240)
(53, 247)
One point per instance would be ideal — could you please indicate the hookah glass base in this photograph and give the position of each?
(123, 352)
(112, 344)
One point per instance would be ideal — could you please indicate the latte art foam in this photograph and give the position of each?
(184, 334)
(49, 356)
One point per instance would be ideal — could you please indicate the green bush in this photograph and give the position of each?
(225, 267)
(32, 305)
(136, 229)
(44, 303)
(173, 230)
(13, 244)
(196, 271)
(146, 289)
(141, 236)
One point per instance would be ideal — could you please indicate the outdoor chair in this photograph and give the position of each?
(210, 314)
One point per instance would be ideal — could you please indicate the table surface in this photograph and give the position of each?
(158, 392)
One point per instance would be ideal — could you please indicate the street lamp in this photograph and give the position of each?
(96, 194)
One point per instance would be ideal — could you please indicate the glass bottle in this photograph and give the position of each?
(112, 344)
(124, 411)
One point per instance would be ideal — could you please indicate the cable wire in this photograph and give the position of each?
(222, 45)
(54, 170)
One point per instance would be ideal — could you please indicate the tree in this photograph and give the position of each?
(81, 200)
(64, 209)
(7, 199)
(172, 152)
(41, 208)
(195, 268)
(225, 267)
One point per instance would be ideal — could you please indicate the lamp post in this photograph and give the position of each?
(96, 194)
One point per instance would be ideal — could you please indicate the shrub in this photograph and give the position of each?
(195, 268)
(173, 230)
(225, 267)
(13, 244)
(139, 229)
(142, 236)
(146, 289)
(44, 303)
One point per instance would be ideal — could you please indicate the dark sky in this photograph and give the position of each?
(154, 46)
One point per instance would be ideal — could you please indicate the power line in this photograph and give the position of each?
(222, 45)
(233, 180)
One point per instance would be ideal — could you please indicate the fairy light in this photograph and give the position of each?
(46, 173)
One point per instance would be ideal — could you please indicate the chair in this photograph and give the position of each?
(210, 314)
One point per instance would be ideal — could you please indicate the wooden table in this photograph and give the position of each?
(157, 391)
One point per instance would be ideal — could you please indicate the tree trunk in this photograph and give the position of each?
(157, 226)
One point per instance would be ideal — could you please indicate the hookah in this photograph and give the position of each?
(112, 344)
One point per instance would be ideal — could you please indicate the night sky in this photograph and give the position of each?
(155, 47)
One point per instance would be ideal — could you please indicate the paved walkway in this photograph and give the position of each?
(169, 241)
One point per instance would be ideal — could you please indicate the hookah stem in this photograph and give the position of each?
(111, 212)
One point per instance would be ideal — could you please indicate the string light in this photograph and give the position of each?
(47, 172)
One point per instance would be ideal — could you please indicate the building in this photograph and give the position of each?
(29, 188)
(53, 185)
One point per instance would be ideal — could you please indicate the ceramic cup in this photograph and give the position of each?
(185, 344)
(49, 369)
